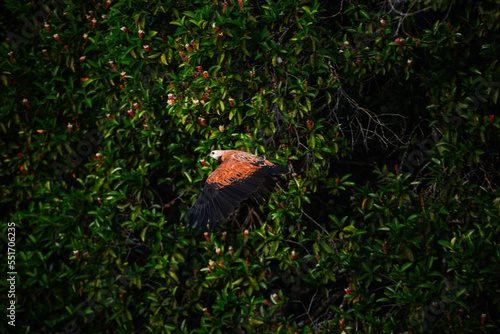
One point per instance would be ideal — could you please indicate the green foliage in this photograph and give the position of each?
(384, 112)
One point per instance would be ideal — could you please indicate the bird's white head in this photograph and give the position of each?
(217, 154)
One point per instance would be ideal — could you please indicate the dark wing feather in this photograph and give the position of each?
(208, 208)
(231, 183)
(265, 189)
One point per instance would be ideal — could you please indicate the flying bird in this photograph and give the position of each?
(240, 176)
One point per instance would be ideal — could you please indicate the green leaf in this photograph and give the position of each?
(406, 266)
(445, 243)
(365, 14)
(188, 177)
(244, 48)
(163, 58)
(281, 103)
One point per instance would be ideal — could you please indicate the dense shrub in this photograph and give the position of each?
(385, 112)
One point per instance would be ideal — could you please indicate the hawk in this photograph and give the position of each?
(240, 176)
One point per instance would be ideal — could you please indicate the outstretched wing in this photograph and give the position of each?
(232, 182)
